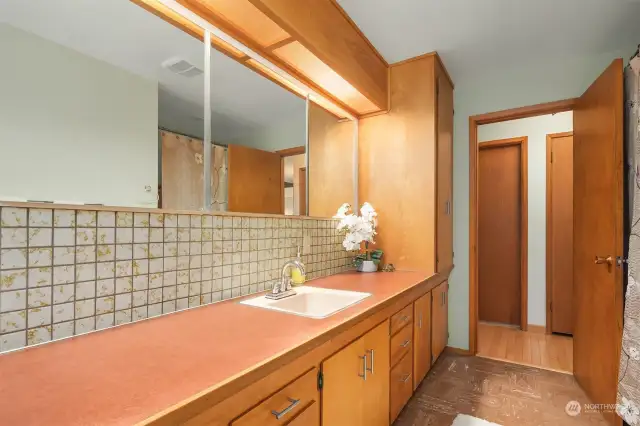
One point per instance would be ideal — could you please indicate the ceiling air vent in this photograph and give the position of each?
(181, 67)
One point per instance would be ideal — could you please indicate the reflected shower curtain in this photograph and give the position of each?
(219, 179)
(629, 374)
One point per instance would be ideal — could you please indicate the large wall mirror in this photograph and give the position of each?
(105, 103)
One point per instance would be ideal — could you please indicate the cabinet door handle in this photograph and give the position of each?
(420, 320)
(371, 356)
(405, 378)
(406, 343)
(280, 414)
(364, 368)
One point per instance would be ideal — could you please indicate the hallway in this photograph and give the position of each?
(532, 348)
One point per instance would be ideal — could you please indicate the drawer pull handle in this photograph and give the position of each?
(406, 343)
(405, 378)
(280, 414)
(364, 368)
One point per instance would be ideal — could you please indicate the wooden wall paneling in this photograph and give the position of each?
(444, 147)
(397, 162)
(255, 180)
(332, 38)
(182, 172)
(330, 162)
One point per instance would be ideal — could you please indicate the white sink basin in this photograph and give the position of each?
(311, 302)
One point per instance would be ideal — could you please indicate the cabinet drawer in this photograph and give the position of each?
(401, 343)
(297, 397)
(401, 318)
(309, 417)
(400, 386)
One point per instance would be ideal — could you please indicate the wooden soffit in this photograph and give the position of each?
(312, 40)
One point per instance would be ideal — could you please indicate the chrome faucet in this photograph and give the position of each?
(283, 288)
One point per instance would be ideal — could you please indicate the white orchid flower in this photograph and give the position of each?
(342, 211)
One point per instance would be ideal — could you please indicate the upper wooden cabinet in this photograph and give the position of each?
(356, 382)
(324, 49)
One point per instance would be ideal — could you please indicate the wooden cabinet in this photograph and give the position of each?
(400, 386)
(439, 319)
(421, 338)
(356, 382)
(444, 166)
(299, 399)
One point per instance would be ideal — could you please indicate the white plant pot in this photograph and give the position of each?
(368, 266)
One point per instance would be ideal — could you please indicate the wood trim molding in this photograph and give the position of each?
(549, 230)
(525, 112)
(521, 141)
(426, 55)
(474, 122)
(288, 152)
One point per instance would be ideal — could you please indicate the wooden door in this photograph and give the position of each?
(439, 320)
(560, 232)
(421, 338)
(302, 187)
(444, 165)
(499, 232)
(376, 387)
(343, 388)
(598, 236)
(255, 180)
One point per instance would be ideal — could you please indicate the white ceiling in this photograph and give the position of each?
(125, 35)
(475, 36)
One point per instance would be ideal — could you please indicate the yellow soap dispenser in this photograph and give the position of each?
(297, 277)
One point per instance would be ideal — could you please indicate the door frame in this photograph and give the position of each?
(474, 122)
(522, 142)
(549, 233)
(288, 152)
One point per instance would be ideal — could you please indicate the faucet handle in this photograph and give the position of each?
(286, 283)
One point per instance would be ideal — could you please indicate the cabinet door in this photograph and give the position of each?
(343, 388)
(421, 338)
(439, 320)
(444, 148)
(376, 387)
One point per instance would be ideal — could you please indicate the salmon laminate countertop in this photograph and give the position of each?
(127, 374)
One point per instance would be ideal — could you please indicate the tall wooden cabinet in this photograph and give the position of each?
(444, 180)
(439, 319)
(405, 166)
(356, 382)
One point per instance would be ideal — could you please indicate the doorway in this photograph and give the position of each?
(598, 231)
(502, 232)
(559, 268)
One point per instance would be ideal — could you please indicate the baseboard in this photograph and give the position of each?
(457, 351)
(536, 329)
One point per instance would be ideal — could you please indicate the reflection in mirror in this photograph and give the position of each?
(257, 125)
(89, 85)
(331, 162)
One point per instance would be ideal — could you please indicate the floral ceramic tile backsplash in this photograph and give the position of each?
(68, 272)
